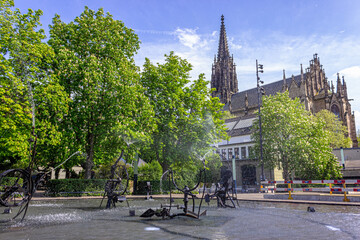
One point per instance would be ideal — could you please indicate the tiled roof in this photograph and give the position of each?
(240, 125)
(238, 99)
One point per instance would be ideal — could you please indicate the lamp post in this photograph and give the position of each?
(136, 162)
(260, 90)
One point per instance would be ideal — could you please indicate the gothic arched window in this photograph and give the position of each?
(335, 110)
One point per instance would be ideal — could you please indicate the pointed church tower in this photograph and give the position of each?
(223, 77)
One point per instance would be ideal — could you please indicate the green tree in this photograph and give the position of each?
(150, 172)
(94, 62)
(188, 118)
(30, 94)
(293, 140)
(337, 131)
(213, 168)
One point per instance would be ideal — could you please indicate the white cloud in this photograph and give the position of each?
(357, 120)
(189, 37)
(351, 72)
(233, 45)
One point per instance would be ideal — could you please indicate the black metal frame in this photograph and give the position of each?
(222, 191)
(165, 210)
(114, 190)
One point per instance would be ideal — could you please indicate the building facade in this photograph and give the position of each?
(310, 86)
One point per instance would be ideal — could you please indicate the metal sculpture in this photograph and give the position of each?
(18, 186)
(165, 210)
(116, 186)
(222, 190)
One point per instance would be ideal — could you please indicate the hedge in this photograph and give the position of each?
(155, 187)
(75, 187)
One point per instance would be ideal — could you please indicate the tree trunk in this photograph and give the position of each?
(57, 171)
(286, 174)
(90, 156)
(67, 173)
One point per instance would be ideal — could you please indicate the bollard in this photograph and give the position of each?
(330, 186)
(289, 188)
(345, 197)
(131, 212)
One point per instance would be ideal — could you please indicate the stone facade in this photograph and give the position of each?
(223, 77)
(311, 87)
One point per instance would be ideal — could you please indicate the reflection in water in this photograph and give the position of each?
(82, 219)
(333, 228)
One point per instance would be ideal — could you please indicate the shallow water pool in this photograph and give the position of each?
(83, 219)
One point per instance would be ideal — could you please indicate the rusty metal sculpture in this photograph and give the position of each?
(17, 186)
(222, 191)
(116, 186)
(165, 210)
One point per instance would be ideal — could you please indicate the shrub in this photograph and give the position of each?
(150, 172)
(75, 187)
(155, 187)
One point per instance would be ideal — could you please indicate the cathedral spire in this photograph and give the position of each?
(339, 86)
(284, 87)
(224, 78)
(344, 86)
(302, 73)
(284, 78)
(223, 50)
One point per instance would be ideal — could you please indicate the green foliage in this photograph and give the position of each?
(336, 130)
(213, 166)
(150, 171)
(9, 181)
(29, 89)
(95, 65)
(188, 119)
(156, 187)
(294, 140)
(75, 187)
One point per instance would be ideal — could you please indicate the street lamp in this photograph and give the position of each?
(261, 91)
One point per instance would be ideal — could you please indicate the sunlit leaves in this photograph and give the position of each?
(294, 140)
(94, 62)
(188, 118)
(25, 66)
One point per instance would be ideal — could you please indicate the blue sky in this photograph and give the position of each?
(281, 34)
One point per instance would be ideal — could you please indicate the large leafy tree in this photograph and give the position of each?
(188, 118)
(336, 129)
(293, 140)
(32, 101)
(94, 62)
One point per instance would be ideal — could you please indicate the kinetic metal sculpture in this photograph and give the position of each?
(117, 185)
(222, 191)
(165, 210)
(17, 187)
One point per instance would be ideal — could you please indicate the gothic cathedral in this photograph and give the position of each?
(311, 87)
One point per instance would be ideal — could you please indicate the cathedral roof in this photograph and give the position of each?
(238, 99)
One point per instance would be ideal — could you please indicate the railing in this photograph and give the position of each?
(329, 189)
